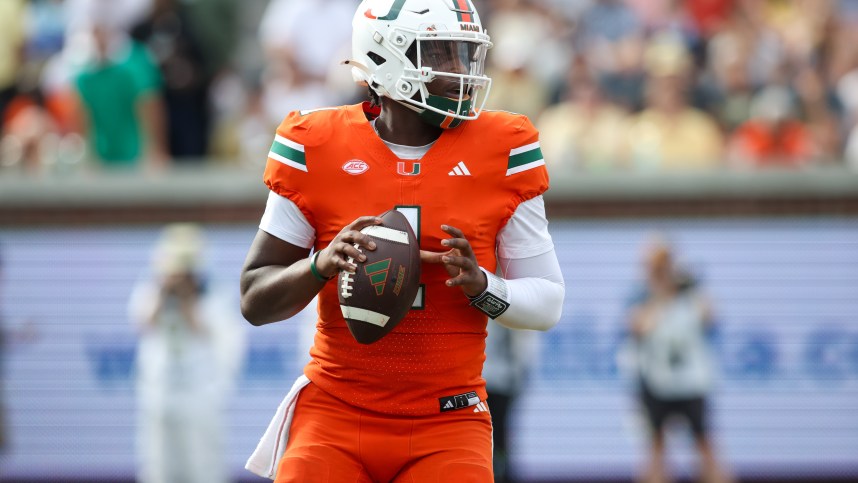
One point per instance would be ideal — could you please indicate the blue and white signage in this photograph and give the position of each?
(785, 293)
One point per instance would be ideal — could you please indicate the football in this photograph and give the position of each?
(377, 296)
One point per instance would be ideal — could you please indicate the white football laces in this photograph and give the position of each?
(347, 278)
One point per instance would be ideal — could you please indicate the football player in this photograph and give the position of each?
(411, 406)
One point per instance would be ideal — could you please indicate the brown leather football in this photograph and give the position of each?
(377, 296)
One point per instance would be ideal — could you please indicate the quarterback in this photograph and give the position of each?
(411, 406)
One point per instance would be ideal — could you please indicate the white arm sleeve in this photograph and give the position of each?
(526, 233)
(536, 290)
(529, 265)
(283, 219)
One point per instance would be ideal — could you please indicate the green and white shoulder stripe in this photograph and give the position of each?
(288, 152)
(524, 158)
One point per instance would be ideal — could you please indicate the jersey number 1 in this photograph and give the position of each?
(412, 213)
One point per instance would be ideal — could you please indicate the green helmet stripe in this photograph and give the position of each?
(393, 14)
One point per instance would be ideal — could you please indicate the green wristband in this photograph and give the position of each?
(315, 270)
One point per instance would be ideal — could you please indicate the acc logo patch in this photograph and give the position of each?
(355, 167)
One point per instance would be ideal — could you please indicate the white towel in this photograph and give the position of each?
(264, 459)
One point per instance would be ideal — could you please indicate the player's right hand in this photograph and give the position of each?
(335, 256)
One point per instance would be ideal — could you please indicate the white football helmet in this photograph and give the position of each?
(399, 47)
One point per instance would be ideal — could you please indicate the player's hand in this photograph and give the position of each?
(335, 256)
(459, 261)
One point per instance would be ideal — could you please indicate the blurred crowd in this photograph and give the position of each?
(613, 85)
(673, 84)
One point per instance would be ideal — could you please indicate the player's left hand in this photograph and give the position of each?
(459, 261)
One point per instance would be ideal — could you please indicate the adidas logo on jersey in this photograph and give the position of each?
(460, 170)
(481, 407)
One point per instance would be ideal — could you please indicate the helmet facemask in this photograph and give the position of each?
(449, 76)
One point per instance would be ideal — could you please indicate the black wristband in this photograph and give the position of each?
(495, 299)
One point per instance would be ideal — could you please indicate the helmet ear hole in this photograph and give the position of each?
(377, 59)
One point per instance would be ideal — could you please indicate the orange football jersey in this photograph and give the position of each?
(335, 168)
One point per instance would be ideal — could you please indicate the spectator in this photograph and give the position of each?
(653, 14)
(302, 73)
(45, 29)
(669, 134)
(515, 89)
(123, 14)
(181, 37)
(847, 89)
(817, 103)
(12, 15)
(725, 85)
(30, 133)
(709, 16)
(187, 358)
(669, 323)
(537, 46)
(119, 90)
(611, 38)
(239, 120)
(580, 133)
(774, 136)
(851, 153)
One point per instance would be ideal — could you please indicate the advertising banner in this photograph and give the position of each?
(785, 294)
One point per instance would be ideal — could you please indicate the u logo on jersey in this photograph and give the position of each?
(415, 169)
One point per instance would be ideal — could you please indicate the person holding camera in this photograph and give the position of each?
(188, 356)
(669, 322)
